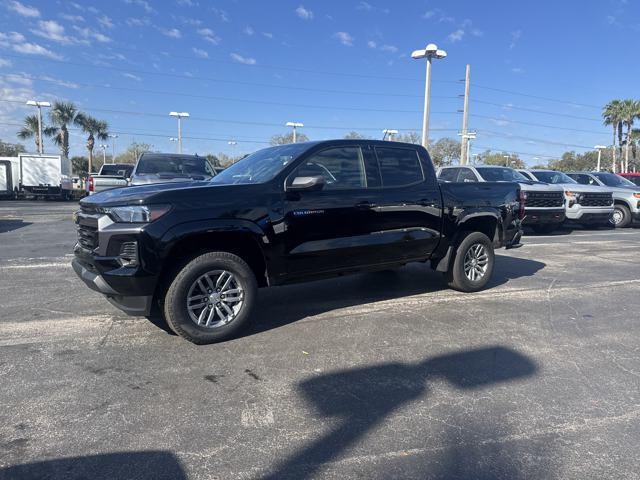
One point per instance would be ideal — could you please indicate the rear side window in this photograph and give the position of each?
(467, 175)
(342, 168)
(448, 174)
(399, 166)
(583, 179)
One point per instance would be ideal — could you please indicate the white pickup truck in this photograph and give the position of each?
(111, 175)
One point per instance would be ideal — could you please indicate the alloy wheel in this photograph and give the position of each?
(215, 299)
(476, 262)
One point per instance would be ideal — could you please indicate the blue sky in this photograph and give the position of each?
(540, 71)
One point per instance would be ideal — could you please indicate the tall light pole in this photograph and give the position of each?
(232, 144)
(599, 148)
(431, 51)
(113, 137)
(179, 116)
(387, 132)
(104, 153)
(39, 105)
(466, 140)
(294, 125)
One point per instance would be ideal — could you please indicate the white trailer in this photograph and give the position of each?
(9, 177)
(45, 175)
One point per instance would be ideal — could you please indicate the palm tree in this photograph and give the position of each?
(629, 111)
(30, 129)
(95, 129)
(61, 115)
(612, 115)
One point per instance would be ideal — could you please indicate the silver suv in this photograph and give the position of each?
(626, 195)
(585, 204)
(543, 206)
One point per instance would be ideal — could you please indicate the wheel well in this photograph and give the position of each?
(484, 224)
(240, 244)
(621, 202)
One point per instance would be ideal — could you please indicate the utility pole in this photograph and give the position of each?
(466, 139)
(599, 148)
(464, 155)
(430, 51)
(179, 116)
(39, 105)
(294, 125)
(113, 147)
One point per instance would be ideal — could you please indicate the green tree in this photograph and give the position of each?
(11, 149)
(629, 111)
(288, 138)
(446, 151)
(96, 129)
(612, 115)
(504, 159)
(30, 130)
(354, 136)
(572, 161)
(61, 116)
(133, 151)
(410, 137)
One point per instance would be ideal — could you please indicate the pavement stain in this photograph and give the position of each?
(213, 378)
(252, 375)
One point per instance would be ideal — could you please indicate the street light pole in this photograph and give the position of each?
(507, 162)
(294, 125)
(599, 148)
(431, 51)
(387, 132)
(466, 139)
(232, 144)
(39, 105)
(113, 147)
(104, 153)
(179, 116)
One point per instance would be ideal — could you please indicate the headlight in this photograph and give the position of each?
(136, 213)
(637, 195)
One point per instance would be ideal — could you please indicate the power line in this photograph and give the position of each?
(538, 97)
(515, 107)
(537, 140)
(555, 127)
(485, 147)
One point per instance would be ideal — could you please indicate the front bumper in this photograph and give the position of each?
(577, 212)
(540, 217)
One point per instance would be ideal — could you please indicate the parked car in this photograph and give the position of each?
(544, 204)
(286, 214)
(626, 195)
(585, 204)
(632, 177)
(170, 167)
(111, 175)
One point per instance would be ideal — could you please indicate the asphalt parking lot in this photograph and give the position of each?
(377, 376)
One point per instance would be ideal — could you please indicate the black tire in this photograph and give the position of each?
(622, 213)
(175, 300)
(456, 277)
(544, 228)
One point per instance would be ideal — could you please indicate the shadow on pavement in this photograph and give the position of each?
(152, 465)
(364, 397)
(11, 225)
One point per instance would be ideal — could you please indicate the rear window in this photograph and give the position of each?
(177, 165)
(399, 166)
(123, 170)
(500, 174)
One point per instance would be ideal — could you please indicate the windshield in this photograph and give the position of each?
(553, 177)
(261, 166)
(612, 180)
(502, 174)
(123, 170)
(174, 165)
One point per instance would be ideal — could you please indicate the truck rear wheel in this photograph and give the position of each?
(472, 265)
(211, 298)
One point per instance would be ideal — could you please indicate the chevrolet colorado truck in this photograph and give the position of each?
(544, 204)
(199, 250)
(111, 175)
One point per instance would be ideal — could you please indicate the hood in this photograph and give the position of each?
(142, 194)
(577, 187)
(624, 190)
(539, 187)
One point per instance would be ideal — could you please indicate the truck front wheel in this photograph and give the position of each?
(472, 265)
(210, 298)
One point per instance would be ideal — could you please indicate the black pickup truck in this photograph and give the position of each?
(286, 214)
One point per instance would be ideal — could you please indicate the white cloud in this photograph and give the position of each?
(34, 49)
(63, 83)
(23, 10)
(52, 30)
(20, 79)
(11, 37)
(245, 60)
(389, 48)
(268, 35)
(89, 34)
(429, 14)
(141, 3)
(371, 44)
(456, 36)
(221, 14)
(187, 3)
(132, 76)
(517, 70)
(344, 38)
(137, 22)
(303, 13)
(105, 21)
(367, 7)
(248, 30)
(72, 18)
(5, 63)
(515, 37)
(171, 32)
(200, 53)
(209, 35)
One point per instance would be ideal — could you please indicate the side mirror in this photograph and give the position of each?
(306, 184)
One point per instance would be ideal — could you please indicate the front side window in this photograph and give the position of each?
(553, 177)
(399, 166)
(613, 180)
(467, 175)
(583, 179)
(500, 174)
(341, 167)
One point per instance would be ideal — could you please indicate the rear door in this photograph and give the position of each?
(331, 229)
(5, 177)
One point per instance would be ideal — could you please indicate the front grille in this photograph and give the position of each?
(544, 199)
(596, 199)
(88, 237)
